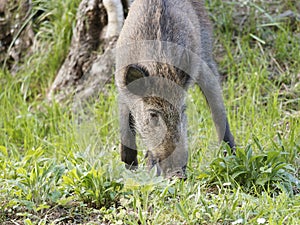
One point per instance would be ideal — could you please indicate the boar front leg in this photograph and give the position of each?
(208, 82)
(128, 141)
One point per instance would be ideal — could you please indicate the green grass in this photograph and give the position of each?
(55, 170)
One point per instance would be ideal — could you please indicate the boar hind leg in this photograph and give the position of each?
(128, 144)
(208, 82)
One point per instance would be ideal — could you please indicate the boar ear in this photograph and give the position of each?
(134, 73)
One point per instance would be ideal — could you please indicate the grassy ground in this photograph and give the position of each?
(56, 171)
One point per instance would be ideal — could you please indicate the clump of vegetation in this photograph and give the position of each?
(265, 171)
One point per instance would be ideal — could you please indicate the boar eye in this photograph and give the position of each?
(154, 118)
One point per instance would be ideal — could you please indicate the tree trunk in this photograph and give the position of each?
(87, 69)
(16, 34)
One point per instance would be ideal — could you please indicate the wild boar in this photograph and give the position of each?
(164, 47)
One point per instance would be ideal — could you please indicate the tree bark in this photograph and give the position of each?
(16, 34)
(90, 62)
